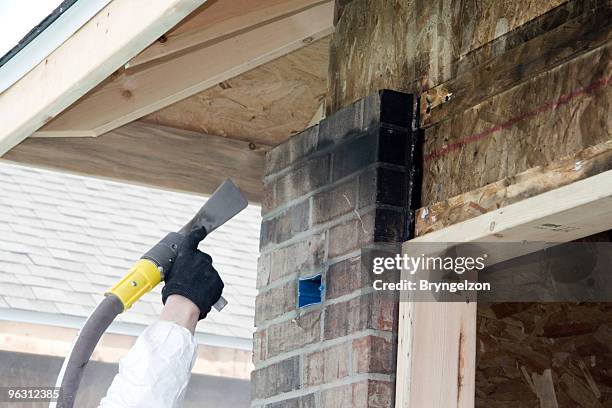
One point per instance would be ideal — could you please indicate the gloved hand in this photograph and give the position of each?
(193, 275)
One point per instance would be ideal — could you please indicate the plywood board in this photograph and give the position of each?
(519, 62)
(519, 342)
(555, 114)
(512, 189)
(215, 20)
(415, 45)
(265, 105)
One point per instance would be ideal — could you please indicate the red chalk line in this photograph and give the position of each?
(550, 105)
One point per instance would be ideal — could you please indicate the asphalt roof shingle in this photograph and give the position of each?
(64, 239)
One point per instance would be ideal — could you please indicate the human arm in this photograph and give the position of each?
(156, 371)
(182, 311)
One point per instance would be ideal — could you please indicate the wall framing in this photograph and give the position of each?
(437, 341)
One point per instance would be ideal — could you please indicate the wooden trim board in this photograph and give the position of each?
(152, 155)
(94, 52)
(134, 93)
(437, 341)
(436, 356)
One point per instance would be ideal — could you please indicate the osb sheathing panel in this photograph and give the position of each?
(536, 47)
(509, 190)
(517, 343)
(553, 115)
(264, 106)
(411, 45)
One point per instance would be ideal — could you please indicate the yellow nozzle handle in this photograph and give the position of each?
(140, 279)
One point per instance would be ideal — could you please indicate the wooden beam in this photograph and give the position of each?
(436, 352)
(134, 93)
(152, 155)
(95, 51)
(218, 19)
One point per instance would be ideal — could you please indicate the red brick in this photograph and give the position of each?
(384, 311)
(372, 354)
(335, 202)
(363, 394)
(376, 311)
(342, 125)
(313, 369)
(292, 150)
(347, 317)
(276, 378)
(343, 278)
(275, 302)
(383, 186)
(387, 106)
(355, 155)
(326, 365)
(291, 335)
(259, 346)
(381, 394)
(342, 397)
(351, 235)
(268, 202)
(305, 255)
(305, 401)
(285, 225)
(297, 182)
(263, 269)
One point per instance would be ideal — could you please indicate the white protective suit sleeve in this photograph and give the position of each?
(156, 370)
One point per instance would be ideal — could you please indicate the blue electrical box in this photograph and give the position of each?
(309, 291)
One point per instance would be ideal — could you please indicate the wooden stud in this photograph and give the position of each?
(437, 341)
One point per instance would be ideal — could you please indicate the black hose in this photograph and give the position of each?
(84, 345)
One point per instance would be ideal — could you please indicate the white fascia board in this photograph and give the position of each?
(48, 40)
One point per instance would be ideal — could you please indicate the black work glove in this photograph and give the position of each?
(193, 275)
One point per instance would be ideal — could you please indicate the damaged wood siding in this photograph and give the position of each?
(537, 180)
(413, 45)
(555, 114)
(494, 103)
